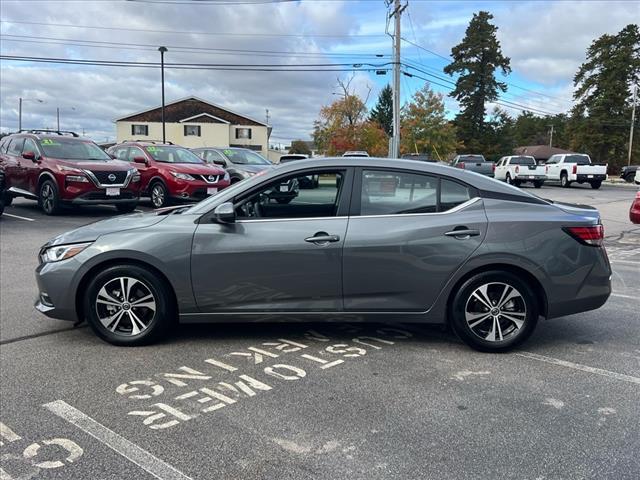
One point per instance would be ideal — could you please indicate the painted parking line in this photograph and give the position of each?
(631, 297)
(625, 262)
(18, 217)
(115, 442)
(579, 366)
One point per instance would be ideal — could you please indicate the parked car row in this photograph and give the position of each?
(564, 169)
(59, 168)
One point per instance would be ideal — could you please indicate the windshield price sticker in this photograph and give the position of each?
(169, 399)
(48, 141)
(152, 149)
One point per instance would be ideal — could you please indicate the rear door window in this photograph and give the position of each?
(452, 194)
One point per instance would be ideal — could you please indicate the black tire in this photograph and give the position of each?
(159, 195)
(508, 179)
(284, 201)
(7, 198)
(48, 198)
(564, 180)
(596, 185)
(517, 183)
(513, 336)
(630, 177)
(126, 207)
(159, 322)
(538, 183)
(1, 205)
(235, 180)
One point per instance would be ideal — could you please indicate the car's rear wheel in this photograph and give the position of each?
(538, 183)
(48, 197)
(596, 185)
(564, 180)
(128, 305)
(508, 179)
(159, 195)
(494, 311)
(283, 201)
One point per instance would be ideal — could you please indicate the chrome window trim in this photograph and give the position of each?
(258, 220)
(469, 202)
(94, 179)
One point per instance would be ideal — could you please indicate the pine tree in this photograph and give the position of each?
(476, 59)
(382, 113)
(603, 83)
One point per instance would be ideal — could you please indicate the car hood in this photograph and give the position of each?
(251, 168)
(96, 165)
(196, 169)
(92, 231)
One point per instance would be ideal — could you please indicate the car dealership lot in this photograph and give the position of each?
(319, 400)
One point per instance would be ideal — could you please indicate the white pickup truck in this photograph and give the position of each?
(575, 167)
(517, 169)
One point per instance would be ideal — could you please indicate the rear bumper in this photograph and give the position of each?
(590, 178)
(523, 177)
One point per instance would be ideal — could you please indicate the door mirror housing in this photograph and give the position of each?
(140, 160)
(224, 213)
(29, 156)
(220, 163)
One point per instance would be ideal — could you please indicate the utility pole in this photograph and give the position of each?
(20, 114)
(267, 116)
(633, 120)
(58, 117)
(162, 50)
(395, 141)
(550, 135)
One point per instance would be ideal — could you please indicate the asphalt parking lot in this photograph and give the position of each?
(323, 400)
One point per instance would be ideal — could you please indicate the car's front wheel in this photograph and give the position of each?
(159, 195)
(48, 197)
(494, 311)
(128, 305)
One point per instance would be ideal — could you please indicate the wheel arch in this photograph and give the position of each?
(46, 175)
(522, 273)
(118, 261)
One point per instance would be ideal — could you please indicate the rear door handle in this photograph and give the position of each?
(463, 233)
(322, 238)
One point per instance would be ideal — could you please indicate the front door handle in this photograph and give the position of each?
(322, 238)
(463, 233)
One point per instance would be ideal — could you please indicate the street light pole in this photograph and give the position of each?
(162, 50)
(20, 100)
(58, 117)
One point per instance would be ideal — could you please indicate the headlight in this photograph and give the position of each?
(182, 176)
(64, 168)
(135, 175)
(250, 174)
(62, 252)
(76, 178)
(226, 176)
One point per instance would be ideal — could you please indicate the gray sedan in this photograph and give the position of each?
(384, 240)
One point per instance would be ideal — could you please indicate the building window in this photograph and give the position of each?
(140, 130)
(244, 133)
(192, 131)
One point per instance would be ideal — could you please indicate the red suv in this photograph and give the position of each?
(171, 173)
(57, 168)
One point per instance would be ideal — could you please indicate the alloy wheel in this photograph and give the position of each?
(125, 306)
(46, 194)
(157, 196)
(495, 312)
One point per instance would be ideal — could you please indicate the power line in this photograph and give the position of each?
(178, 32)
(317, 67)
(182, 49)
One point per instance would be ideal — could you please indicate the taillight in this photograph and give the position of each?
(493, 167)
(593, 235)
(575, 168)
(517, 169)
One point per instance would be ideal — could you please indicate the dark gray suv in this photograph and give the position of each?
(384, 240)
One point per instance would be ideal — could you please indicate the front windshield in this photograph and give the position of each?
(172, 154)
(72, 149)
(245, 157)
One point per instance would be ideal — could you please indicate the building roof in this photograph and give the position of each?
(539, 152)
(189, 109)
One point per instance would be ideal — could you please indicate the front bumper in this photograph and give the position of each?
(56, 297)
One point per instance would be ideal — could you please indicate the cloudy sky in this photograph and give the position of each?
(546, 42)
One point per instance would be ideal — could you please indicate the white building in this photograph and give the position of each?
(192, 122)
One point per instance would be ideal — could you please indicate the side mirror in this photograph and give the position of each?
(29, 156)
(225, 213)
(220, 163)
(140, 160)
